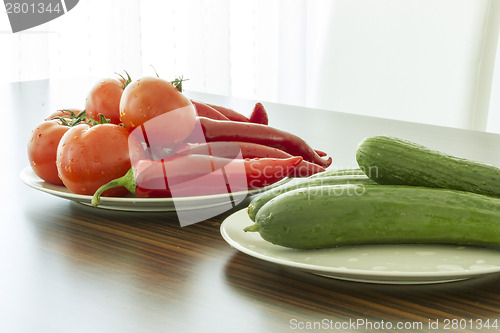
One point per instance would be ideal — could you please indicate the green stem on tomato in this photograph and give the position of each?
(127, 181)
(177, 83)
(126, 81)
(102, 120)
(74, 119)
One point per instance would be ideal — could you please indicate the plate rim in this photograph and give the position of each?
(357, 274)
(27, 176)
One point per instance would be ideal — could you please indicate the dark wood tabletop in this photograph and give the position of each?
(66, 267)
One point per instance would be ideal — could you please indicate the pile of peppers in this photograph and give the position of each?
(227, 152)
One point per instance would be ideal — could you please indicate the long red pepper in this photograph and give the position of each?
(230, 113)
(205, 110)
(259, 115)
(320, 153)
(219, 130)
(191, 175)
(247, 150)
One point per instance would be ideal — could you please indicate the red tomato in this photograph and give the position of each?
(88, 157)
(42, 146)
(104, 98)
(150, 97)
(42, 149)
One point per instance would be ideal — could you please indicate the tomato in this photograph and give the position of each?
(151, 98)
(42, 146)
(104, 98)
(91, 156)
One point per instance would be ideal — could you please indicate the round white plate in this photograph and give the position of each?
(393, 264)
(132, 203)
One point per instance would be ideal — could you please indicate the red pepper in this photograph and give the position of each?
(205, 110)
(219, 130)
(320, 153)
(191, 175)
(230, 113)
(259, 115)
(247, 150)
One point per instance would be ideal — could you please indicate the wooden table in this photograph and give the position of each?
(65, 267)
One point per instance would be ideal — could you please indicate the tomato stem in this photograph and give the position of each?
(178, 82)
(156, 73)
(127, 181)
(102, 120)
(127, 80)
(74, 119)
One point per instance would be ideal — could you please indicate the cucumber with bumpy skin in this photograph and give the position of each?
(262, 199)
(392, 161)
(331, 216)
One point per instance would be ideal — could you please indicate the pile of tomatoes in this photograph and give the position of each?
(83, 150)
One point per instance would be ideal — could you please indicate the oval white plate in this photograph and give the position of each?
(393, 264)
(132, 203)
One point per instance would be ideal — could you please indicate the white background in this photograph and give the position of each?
(427, 61)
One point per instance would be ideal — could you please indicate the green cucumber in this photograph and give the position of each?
(392, 161)
(258, 202)
(337, 172)
(331, 216)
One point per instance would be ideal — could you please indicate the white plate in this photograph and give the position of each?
(393, 264)
(132, 203)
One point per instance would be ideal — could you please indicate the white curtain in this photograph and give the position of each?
(96, 38)
(429, 61)
(265, 49)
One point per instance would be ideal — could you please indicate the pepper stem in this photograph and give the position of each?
(127, 181)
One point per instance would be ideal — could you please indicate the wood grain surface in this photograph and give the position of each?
(66, 267)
